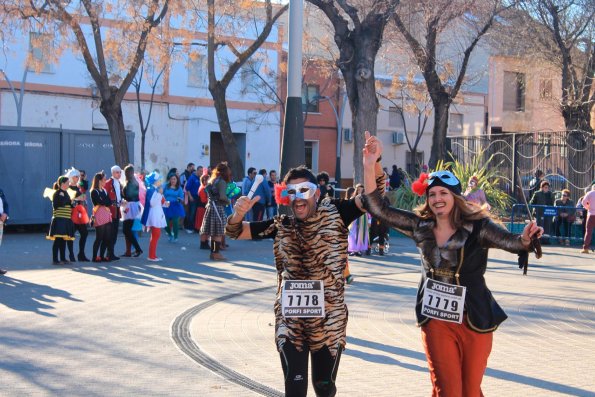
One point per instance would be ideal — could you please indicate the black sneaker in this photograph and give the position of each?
(115, 258)
(2, 271)
(136, 254)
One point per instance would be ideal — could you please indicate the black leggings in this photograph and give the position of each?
(82, 229)
(59, 247)
(102, 239)
(130, 237)
(295, 369)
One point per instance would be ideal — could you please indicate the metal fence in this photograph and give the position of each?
(31, 159)
(567, 158)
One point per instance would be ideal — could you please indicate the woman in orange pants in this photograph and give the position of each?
(454, 307)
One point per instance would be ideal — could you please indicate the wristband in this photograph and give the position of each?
(233, 230)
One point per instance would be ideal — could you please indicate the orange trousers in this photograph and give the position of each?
(155, 234)
(457, 358)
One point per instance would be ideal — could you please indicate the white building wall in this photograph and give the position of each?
(176, 133)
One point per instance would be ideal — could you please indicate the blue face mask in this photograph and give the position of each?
(303, 190)
(445, 176)
(446, 179)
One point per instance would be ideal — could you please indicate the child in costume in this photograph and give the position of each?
(153, 217)
(61, 228)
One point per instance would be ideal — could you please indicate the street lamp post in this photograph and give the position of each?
(292, 145)
(339, 119)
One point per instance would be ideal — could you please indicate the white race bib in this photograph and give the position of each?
(303, 298)
(443, 301)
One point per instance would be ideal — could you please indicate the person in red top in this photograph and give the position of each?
(114, 192)
(201, 209)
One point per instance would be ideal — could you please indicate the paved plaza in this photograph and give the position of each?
(188, 326)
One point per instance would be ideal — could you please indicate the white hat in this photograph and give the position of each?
(72, 172)
(116, 168)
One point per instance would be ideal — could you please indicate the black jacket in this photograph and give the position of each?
(4, 202)
(465, 253)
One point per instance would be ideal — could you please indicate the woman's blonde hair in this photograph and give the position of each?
(463, 211)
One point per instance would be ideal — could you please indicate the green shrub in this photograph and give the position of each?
(488, 179)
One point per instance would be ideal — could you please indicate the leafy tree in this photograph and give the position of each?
(561, 33)
(358, 30)
(567, 38)
(227, 23)
(410, 97)
(144, 125)
(425, 26)
(112, 38)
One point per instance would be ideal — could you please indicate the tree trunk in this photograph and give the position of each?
(579, 141)
(229, 143)
(115, 122)
(365, 116)
(358, 73)
(577, 117)
(441, 104)
(143, 138)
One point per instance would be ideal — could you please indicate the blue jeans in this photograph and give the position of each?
(271, 211)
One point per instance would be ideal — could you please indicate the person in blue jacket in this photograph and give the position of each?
(174, 194)
(264, 192)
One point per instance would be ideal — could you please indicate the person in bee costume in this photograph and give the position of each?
(61, 228)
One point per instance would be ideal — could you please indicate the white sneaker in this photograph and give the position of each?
(189, 231)
(155, 259)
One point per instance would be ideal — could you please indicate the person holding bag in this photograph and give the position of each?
(79, 217)
(102, 218)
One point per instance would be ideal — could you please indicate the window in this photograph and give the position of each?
(514, 92)
(394, 117)
(414, 162)
(248, 75)
(310, 94)
(311, 155)
(545, 89)
(197, 71)
(40, 48)
(455, 123)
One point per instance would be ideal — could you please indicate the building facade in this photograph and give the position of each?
(183, 126)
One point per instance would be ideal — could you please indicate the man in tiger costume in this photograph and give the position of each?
(309, 245)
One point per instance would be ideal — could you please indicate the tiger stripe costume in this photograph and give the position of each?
(313, 249)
